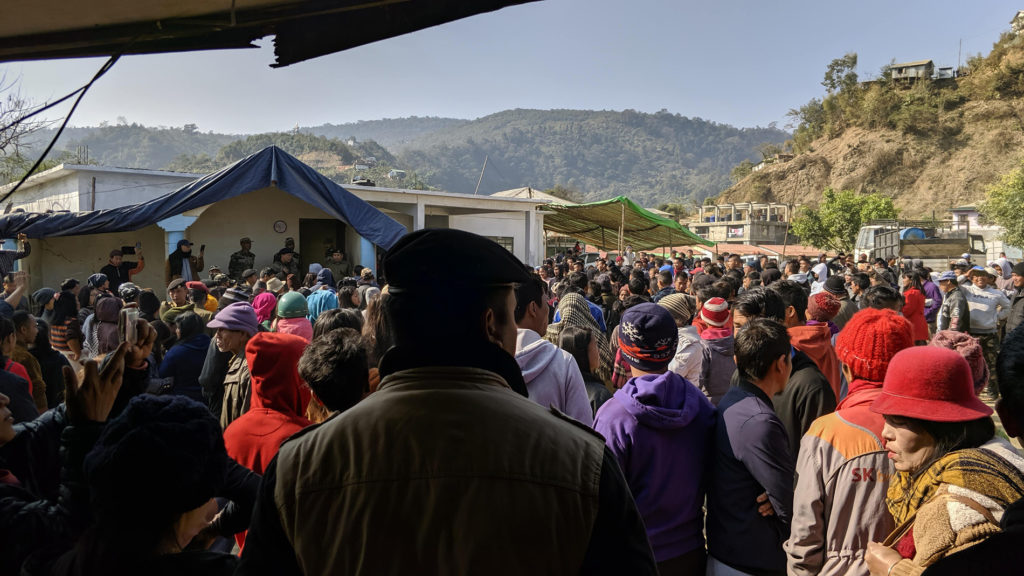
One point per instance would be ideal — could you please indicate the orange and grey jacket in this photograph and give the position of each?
(843, 473)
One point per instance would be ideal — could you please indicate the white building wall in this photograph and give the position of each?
(114, 190)
(507, 224)
(54, 259)
(73, 190)
(60, 194)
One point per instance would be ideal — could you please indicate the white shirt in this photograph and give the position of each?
(988, 306)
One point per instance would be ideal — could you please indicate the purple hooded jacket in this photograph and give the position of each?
(932, 292)
(660, 427)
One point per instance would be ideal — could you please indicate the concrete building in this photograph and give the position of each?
(968, 218)
(742, 223)
(267, 214)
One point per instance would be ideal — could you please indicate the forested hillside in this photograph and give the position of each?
(132, 145)
(653, 158)
(393, 133)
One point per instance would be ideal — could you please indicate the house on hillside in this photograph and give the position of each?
(1017, 23)
(774, 159)
(912, 71)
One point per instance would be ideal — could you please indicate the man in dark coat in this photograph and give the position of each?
(954, 314)
(118, 270)
(1016, 317)
(450, 370)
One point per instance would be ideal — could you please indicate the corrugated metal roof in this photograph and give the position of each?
(911, 64)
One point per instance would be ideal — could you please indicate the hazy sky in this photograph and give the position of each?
(741, 63)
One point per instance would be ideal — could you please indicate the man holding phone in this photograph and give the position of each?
(7, 257)
(118, 270)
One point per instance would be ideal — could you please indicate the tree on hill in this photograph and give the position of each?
(678, 211)
(1004, 206)
(567, 193)
(841, 73)
(834, 224)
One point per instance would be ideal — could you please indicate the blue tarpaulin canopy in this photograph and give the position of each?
(270, 167)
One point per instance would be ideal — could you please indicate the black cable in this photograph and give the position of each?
(81, 93)
(42, 109)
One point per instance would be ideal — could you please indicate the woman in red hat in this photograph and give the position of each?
(952, 479)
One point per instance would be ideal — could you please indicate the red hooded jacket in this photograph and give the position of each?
(278, 405)
(816, 342)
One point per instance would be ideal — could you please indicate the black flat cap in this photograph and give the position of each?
(835, 284)
(413, 262)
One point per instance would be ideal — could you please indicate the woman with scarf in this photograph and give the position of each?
(573, 311)
(952, 480)
(182, 264)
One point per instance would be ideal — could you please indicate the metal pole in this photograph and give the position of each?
(785, 242)
(481, 179)
(622, 227)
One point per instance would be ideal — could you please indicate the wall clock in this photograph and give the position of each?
(280, 226)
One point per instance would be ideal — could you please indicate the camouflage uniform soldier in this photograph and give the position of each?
(241, 260)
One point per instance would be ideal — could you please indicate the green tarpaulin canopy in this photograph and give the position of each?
(600, 223)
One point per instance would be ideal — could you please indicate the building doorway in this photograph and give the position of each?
(317, 237)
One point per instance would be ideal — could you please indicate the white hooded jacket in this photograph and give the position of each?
(552, 377)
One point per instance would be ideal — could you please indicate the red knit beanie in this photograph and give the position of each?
(968, 347)
(869, 341)
(822, 307)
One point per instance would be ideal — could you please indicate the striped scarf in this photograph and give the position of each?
(574, 311)
(978, 469)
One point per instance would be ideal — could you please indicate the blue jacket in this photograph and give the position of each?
(751, 457)
(184, 361)
(595, 311)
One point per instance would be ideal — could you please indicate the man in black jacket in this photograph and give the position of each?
(807, 394)
(1016, 317)
(118, 270)
(29, 520)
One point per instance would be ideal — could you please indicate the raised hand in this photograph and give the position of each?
(92, 399)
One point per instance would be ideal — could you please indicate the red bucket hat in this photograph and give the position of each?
(930, 383)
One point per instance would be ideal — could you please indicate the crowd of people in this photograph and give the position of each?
(642, 415)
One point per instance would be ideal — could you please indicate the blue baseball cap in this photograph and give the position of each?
(947, 275)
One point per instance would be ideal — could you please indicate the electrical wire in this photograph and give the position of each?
(81, 93)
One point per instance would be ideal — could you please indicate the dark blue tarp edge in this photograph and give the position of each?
(268, 167)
